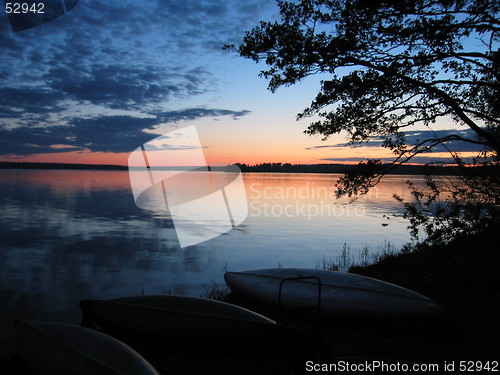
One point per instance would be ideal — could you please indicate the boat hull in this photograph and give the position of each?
(341, 292)
(61, 349)
(175, 318)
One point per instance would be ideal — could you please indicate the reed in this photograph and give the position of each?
(346, 259)
(213, 290)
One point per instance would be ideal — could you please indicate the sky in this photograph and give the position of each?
(108, 76)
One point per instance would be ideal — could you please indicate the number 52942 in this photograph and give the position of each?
(22, 8)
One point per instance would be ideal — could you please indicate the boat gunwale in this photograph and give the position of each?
(78, 351)
(259, 318)
(416, 296)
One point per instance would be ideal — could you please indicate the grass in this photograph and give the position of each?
(346, 260)
(343, 262)
(464, 275)
(218, 292)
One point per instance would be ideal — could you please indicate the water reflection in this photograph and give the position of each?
(68, 235)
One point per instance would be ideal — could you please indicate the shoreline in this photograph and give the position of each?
(263, 168)
(463, 275)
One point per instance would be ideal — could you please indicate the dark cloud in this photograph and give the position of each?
(417, 159)
(334, 146)
(111, 86)
(63, 81)
(415, 137)
(195, 113)
(210, 24)
(117, 54)
(125, 87)
(166, 146)
(111, 133)
(23, 101)
(26, 141)
(354, 159)
(109, 31)
(102, 28)
(100, 134)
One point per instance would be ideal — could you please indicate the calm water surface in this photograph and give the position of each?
(67, 235)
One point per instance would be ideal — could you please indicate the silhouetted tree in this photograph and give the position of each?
(390, 66)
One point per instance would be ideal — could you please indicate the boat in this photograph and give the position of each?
(54, 348)
(170, 318)
(333, 291)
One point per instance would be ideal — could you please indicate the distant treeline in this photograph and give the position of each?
(342, 168)
(264, 167)
(24, 165)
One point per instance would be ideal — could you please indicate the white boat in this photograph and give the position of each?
(61, 349)
(174, 318)
(340, 293)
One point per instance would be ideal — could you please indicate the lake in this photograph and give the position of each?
(73, 234)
